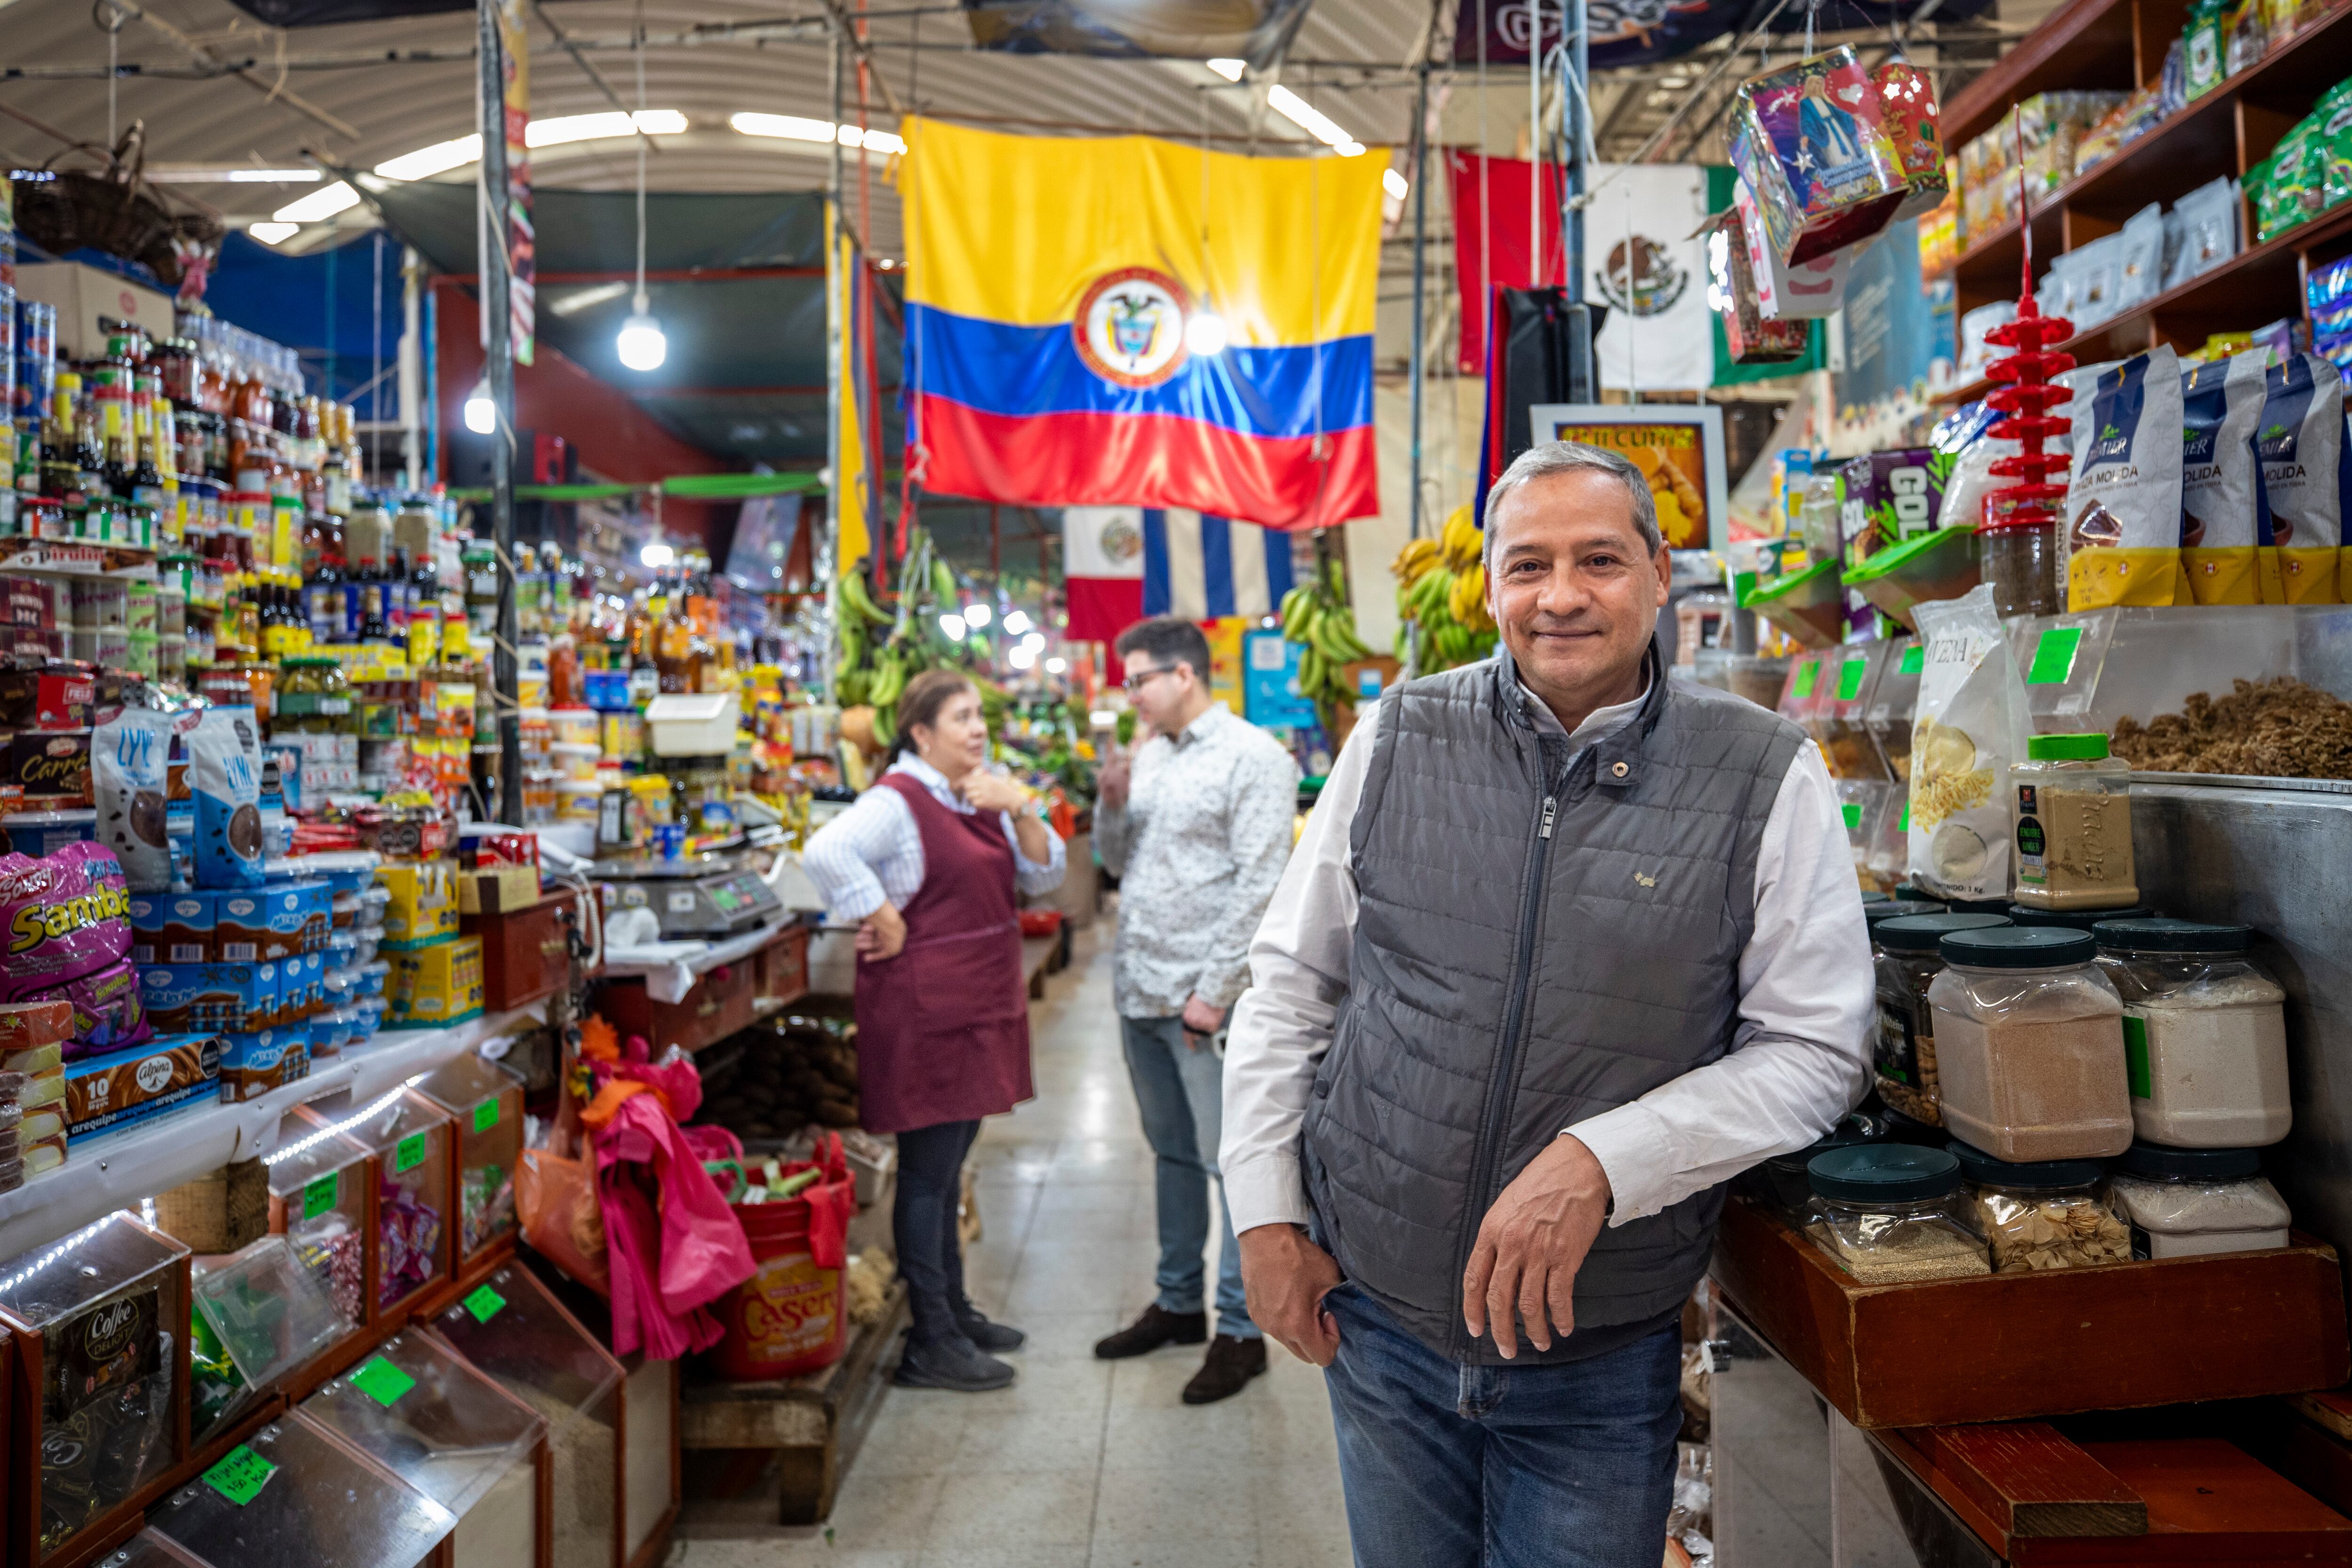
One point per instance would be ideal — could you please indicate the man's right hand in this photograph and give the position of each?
(1111, 782)
(1287, 1277)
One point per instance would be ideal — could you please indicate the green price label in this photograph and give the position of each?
(1914, 660)
(408, 1153)
(382, 1382)
(2054, 656)
(320, 1196)
(240, 1476)
(1852, 809)
(1850, 675)
(486, 1116)
(1906, 823)
(1809, 675)
(2135, 1057)
(485, 1304)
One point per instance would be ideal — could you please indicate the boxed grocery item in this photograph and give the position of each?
(51, 767)
(423, 907)
(253, 1063)
(105, 1091)
(218, 997)
(287, 908)
(435, 986)
(1810, 142)
(47, 699)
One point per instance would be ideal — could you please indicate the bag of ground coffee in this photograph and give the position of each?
(224, 776)
(2299, 463)
(2221, 402)
(2123, 502)
(130, 758)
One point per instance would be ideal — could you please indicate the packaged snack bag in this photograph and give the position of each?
(2221, 403)
(129, 763)
(224, 776)
(2123, 501)
(67, 920)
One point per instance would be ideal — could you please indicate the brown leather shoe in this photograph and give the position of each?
(1153, 1330)
(1232, 1362)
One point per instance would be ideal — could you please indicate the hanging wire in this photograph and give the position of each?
(638, 50)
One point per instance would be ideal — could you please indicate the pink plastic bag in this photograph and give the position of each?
(66, 917)
(675, 1245)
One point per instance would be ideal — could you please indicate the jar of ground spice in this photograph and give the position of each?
(2070, 812)
(2029, 1045)
(2188, 1203)
(2204, 1033)
(1893, 1214)
(2051, 1214)
(1902, 1057)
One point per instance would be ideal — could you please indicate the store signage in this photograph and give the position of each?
(485, 1304)
(408, 1153)
(320, 1196)
(241, 1476)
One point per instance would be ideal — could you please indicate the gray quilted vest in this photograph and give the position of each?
(1540, 938)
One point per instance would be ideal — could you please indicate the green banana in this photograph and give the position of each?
(886, 726)
(943, 584)
(1310, 672)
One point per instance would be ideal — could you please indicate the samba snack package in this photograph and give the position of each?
(67, 920)
(2221, 403)
(224, 776)
(130, 759)
(2123, 502)
(1969, 726)
(2299, 467)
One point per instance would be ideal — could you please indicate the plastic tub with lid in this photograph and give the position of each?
(2029, 1044)
(1902, 1057)
(2204, 1033)
(1893, 1214)
(2070, 817)
(2189, 1203)
(2051, 1214)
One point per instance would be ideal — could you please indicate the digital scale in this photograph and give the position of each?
(705, 896)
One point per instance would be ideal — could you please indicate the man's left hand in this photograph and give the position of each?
(1202, 1018)
(1530, 1245)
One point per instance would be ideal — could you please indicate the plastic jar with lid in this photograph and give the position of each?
(1893, 1214)
(2189, 1203)
(2070, 813)
(1902, 1057)
(2022, 563)
(1783, 1184)
(2028, 1045)
(2053, 1214)
(2074, 919)
(2204, 1033)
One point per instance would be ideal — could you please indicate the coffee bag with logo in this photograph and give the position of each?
(2123, 502)
(2221, 403)
(224, 776)
(2299, 462)
(129, 767)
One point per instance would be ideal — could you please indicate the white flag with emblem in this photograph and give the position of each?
(1642, 262)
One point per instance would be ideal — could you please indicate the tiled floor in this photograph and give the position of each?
(1081, 1463)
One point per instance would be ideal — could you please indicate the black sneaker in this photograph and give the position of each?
(1232, 1362)
(993, 1337)
(952, 1363)
(1153, 1330)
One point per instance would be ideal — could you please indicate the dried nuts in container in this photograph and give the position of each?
(2051, 1214)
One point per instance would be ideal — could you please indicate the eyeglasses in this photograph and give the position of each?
(1138, 679)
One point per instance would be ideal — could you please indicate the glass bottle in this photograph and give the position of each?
(423, 614)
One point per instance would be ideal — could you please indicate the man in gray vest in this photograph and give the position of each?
(1566, 944)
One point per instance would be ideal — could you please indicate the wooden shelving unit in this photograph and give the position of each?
(2116, 45)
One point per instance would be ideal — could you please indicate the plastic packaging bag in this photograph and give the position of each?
(1961, 439)
(224, 776)
(561, 1218)
(2140, 270)
(2221, 403)
(2299, 460)
(2123, 502)
(130, 765)
(1970, 726)
(2209, 231)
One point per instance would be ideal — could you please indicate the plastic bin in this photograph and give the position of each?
(319, 1202)
(792, 1316)
(318, 1503)
(485, 1101)
(407, 1139)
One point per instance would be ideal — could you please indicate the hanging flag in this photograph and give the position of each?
(1640, 261)
(1059, 297)
(1205, 567)
(852, 484)
(1102, 566)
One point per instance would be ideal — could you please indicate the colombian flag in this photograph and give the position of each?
(1048, 287)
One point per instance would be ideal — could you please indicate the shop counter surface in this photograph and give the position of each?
(117, 1170)
(2008, 1347)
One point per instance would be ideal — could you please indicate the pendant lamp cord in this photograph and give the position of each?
(639, 305)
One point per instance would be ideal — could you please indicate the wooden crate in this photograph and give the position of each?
(720, 1002)
(2008, 1347)
(803, 1431)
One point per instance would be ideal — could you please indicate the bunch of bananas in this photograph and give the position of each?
(882, 650)
(1442, 588)
(1316, 614)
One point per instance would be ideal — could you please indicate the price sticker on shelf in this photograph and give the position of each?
(486, 1116)
(485, 1304)
(1850, 675)
(382, 1382)
(2054, 656)
(1809, 675)
(1852, 810)
(408, 1154)
(320, 1196)
(241, 1476)
(1914, 660)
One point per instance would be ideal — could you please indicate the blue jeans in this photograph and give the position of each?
(1180, 1087)
(1446, 1465)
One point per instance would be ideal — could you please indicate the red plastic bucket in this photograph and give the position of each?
(791, 1317)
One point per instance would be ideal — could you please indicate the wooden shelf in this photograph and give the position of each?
(2084, 44)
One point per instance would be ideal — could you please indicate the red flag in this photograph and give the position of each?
(1491, 220)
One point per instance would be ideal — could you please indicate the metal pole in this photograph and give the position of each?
(496, 310)
(1420, 164)
(1575, 62)
(832, 321)
(412, 366)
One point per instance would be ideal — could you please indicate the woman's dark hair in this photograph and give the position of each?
(921, 704)
(1170, 639)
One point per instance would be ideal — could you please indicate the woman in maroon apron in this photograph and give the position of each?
(929, 861)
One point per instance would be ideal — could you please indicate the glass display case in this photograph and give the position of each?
(512, 1329)
(1892, 701)
(1852, 674)
(319, 1187)
(484, 1103)
(292, 1493)
(417, 1408)
(260, 1315)
(649, 1453)
(409, 1149)
(148, 1550)
(98, 1322)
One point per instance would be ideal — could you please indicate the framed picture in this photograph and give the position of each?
(1678, 447)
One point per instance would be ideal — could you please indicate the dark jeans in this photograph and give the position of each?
(923, 1225)
(1446, 1465)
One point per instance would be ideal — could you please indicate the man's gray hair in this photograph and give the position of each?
(1547, 459)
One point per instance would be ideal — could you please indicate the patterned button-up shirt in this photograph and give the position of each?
(1198, 849)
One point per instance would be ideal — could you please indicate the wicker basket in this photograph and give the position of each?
(117, 212)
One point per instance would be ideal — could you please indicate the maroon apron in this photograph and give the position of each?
(943, 1028)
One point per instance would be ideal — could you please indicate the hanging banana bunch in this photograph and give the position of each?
(1442, 588)
(1316, 614)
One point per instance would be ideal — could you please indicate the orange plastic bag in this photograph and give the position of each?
(563, 1216)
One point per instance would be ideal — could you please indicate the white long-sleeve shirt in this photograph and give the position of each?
(1800, 1059)
(873, 852)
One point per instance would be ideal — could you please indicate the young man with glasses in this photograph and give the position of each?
(1196, 824)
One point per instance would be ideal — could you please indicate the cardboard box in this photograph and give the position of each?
(431, 987)
(52, 767)
(252, 1064)
(498, 890)
(105, 1091)
(223, 998)
(424, 907)
(285, 912)
(86, 298)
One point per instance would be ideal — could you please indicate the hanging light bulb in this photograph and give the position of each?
(1017, 621)
(978, 615)
(953, 628)
(642, 346)
(481, 413)
(1204, 333)
(657, 555)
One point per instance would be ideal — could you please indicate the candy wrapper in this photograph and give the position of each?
(408, 1243)
(1810, 140)
(67, 920)
(1906, 110)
